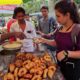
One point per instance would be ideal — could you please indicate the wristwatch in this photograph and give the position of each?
(66, 55)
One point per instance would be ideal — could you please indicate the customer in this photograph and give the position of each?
(26, 27)
(46, 24)
(67, 40)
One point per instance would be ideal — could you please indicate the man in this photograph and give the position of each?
(27, 17)
(10, 22)
(13, 34)
(46, 24)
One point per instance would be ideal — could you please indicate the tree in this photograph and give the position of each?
(77, 1)
(25, 1)
(32, 6)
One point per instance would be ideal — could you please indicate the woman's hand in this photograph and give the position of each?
(39, 32)
(45, 41)
(39, 40)
(60, 56)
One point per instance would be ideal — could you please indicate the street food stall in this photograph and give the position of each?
(37, 65)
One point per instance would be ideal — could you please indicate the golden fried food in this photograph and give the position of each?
(51, 71)
(35, 58)
(36, 77)
(26, 62)
(18, 63)
(39, 72)
(36, 70)
(16, 72)
(42, 60)
(33, 70)
(37, 61)
(47, 57)
(53, 68)
(43, 66)
(27, 76)
(8, 76)
(21, 56)
(23, 79)
(45, 73)
(29, 65)
(22, 71)
(51, 64)
(29, 56)
(50, 74)
(16, 78)
(11, 67)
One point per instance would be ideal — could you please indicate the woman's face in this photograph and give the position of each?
(62, 19)
(20, 16)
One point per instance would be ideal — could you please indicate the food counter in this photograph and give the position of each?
(8, 57)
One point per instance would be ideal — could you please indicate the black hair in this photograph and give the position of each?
(14, 17)
(65, 6)
(18, 10)
(44, 7)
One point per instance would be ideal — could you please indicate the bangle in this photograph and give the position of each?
(66, 55)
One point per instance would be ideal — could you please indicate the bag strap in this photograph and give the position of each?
(74, 35)
(52, 23)
(49, 25)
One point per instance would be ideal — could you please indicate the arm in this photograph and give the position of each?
(74, 54)
(49, 42)
(12, 34)
(71, 54)
(47, 36)
(6, 36)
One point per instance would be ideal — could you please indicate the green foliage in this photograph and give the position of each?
(77, 1)
(32, 6)
(25, 1)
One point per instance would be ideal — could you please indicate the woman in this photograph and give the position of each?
(68, 58)
(24, 26)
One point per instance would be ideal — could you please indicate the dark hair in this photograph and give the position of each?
(14, 17)
(18, 10)
(44, 7)
(65, 6)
